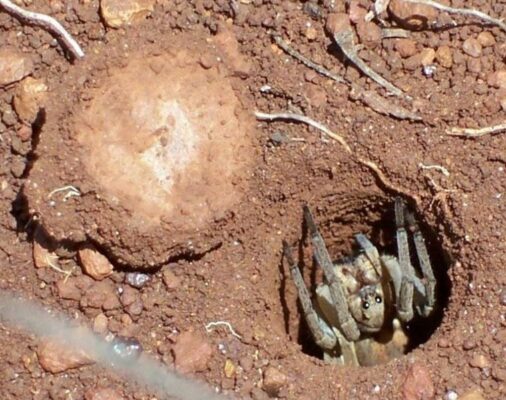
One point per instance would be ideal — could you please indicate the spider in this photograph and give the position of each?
(362, 307)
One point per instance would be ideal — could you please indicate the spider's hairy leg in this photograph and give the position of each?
(405, 299)
(370, 251)
(322, 333)
(346, 322)
(345, 353)
(394, 271)
(425, 265)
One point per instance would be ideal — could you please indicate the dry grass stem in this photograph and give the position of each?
(344, 39)
(389, 33)
(46, 22)
(463, 11)
(369, 164)
(307, 62)
(367, 97)
(302, 118)
(381, 105)
(472, 132)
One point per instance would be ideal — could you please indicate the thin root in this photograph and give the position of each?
(472, 133)
(441, 195)
(46, 22)
(72, 191)
(440, 168)
(49, 261)
(369, 164)
(462, 11)
(209, 327)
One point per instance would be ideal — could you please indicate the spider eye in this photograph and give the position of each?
(365, 305)
(378, 299)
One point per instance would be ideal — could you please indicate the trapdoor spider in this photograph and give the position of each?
(361, 307)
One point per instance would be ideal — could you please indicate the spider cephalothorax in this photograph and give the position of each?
(366, 296)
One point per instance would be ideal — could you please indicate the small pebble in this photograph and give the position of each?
(192, 352)
(311, 33)
(479, 361)
(429, 70)
(497, 79)
(101, 294)
(117, 13)
(103, 394)
(418, 383)
(171, 281)
(229, 368)
(451, 395)
(468, 344)
(100, 324)
(94, 263)
(67, 289)
(405, 47)
(427, 56)
(472, 47)
(127, 348)
(136, 279)
(474, 394)
(14, 66)
(474, 65)
(273, 381)
(356, 11)
(29, 98)
(55, 358)
(486, 39)
(42, 256)
(313, 10)
(369, 33)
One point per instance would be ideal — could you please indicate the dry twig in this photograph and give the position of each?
(462, 11)
(389, 33)
(367, 97)
(371, 165)
(472, 133)
(46, 22)
(302, 118)
(307, 62)
(344, 39)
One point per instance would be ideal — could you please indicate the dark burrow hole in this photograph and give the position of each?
(338, 222)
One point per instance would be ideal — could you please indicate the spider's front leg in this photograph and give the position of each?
(405, 299)
(347, 324)
(321, 331)
(429, 294)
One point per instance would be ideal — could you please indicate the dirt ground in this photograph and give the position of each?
(220, 259)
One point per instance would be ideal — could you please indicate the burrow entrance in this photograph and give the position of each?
(339, 218)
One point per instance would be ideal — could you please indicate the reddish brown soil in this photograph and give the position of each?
(243, 280)
(159, 157)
